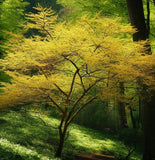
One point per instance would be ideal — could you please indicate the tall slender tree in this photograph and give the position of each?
(137, 19)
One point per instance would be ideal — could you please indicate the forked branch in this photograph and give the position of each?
(78, 100)
(55, 104)
(77, 72)
(74, 115)
(72, 84)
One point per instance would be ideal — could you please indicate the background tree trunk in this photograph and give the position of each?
(148, 18)
(149, 127)
(132, 118)
(121, 108)
(137, 19)
(136, 15)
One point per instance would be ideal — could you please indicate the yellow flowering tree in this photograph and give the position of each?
(63, 65)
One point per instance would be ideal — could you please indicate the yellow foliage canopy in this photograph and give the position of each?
(69, 58)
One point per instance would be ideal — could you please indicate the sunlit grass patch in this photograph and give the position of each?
(92, 141)
(20, 130)
(22, 151)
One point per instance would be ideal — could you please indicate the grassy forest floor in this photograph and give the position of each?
(25, 137)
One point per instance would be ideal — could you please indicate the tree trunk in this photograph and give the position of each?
(132, 118)
(136, 15)
(121, 108)
(148, 18)
(149, 127)
(61, 142)
(60, 147)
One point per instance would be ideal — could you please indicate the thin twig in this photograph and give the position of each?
(43, 72)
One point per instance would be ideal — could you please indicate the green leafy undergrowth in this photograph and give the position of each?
(25, 136)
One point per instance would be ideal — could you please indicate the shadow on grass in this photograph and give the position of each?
(6, 155)
(26, 135)
(85, 140)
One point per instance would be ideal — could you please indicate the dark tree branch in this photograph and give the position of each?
(97, 46)
(77, 72)
(77, 101)
(55, 104)
(60, 89)
(75, 114)
(43, 72)
(81, 81)
(43, 27)
(72, 84)
(90, 72)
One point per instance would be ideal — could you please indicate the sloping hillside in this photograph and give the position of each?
(26, 137)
